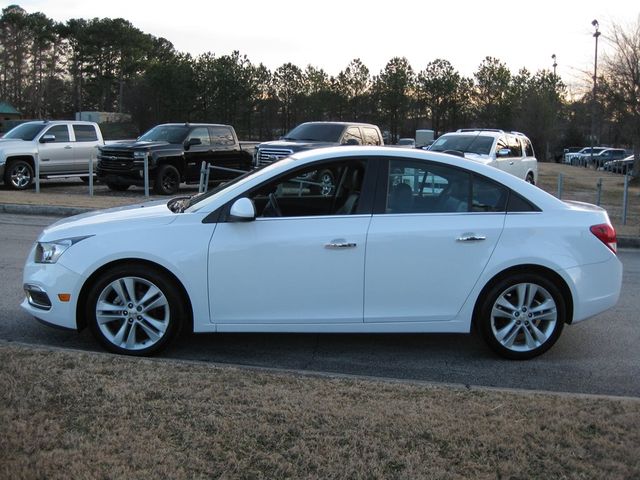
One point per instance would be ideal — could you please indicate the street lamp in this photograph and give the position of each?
(555, 64)
(596, 34)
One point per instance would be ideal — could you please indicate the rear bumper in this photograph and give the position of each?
(596, 288)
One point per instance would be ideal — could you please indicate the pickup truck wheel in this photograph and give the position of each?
(19, 175)
(327, 183)
(167, 180)
(117, 187)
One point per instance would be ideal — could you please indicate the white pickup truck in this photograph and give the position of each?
(63, 147)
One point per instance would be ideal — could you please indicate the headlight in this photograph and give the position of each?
(139, 155)
(49, 252)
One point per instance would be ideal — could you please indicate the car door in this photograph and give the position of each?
(84, 147)
(227, 156)
(56, 156)
(305, 266)
(195, 154)
(429, 241)
(512, 163)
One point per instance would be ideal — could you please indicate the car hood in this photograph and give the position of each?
(139, 145)
(478, 157)
(119, 218)
(296, 145)
(6, 142)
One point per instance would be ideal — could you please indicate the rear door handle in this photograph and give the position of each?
(68, 147)
(470, 237)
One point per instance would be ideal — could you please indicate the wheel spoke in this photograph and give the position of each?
(161, 301)
(497, 312)
(509, 339)
(129, 284)
(153, 335)
(530, 341)
(151, 293)
(522, 294)
(546, 305)
(539, 335)
(156, 324)
(532, 290)
(120, 291)
(506, 304)
(503, 332)
(131, 338)
(118, 337)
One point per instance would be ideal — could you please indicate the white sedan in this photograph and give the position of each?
(403, 241)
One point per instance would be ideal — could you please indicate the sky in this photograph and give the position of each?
(328, 34)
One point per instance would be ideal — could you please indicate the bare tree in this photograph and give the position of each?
(622, 70)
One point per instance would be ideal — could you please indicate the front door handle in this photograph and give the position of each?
(68, 147)
(470, 237)
(337, 245)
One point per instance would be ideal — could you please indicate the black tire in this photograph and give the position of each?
(327, 183)
(531, 329)
(18, 175)
(118, 187)
(85, 180)
(530, 179)
(149, 327)
(167, 180)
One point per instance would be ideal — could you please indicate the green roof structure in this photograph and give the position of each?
(7, 109)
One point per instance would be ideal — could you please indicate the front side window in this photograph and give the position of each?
(329, 189)
(85, 133)
(352, 136)
(61, 133)
(201, 133)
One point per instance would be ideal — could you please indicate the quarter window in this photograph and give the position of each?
(371, 136)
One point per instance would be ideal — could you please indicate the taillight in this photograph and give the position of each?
(606, 234)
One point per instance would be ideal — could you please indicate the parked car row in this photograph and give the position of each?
(595, 157)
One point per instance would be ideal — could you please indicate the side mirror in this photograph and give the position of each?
(47, 138)
(191, 142)
(503, 152)
(242, 210)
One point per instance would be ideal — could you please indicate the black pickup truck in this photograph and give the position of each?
(175, 154)
(311, 135)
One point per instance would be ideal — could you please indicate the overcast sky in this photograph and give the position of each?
(330, 33)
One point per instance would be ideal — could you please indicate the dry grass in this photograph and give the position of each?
(92, 415)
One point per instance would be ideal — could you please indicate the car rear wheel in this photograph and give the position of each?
(19, 175)
(522, 316)
(134, 310)
(167, 180)
(530, 179)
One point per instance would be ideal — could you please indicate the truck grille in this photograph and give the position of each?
(270, 155)
(115, 160)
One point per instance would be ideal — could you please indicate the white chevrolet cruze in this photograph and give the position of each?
(405, 241)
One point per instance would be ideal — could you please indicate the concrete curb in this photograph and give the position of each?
(60, 211)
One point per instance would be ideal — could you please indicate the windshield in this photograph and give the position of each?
(478, 144)
(166, 133)
(26, 131)
(316, 132)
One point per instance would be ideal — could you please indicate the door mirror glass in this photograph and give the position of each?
(48, 138)
(503, 152)
(242, 210)
(192, 141)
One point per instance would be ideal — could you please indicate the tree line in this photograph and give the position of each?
(52, 70)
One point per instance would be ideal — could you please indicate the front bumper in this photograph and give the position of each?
(51, 281)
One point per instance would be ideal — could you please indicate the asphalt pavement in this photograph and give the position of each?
(598, 356)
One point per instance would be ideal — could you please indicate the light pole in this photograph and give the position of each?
(596, 34)
(555, 64)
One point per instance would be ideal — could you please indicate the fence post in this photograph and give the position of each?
(599, 190)
(91, 174)
(625, 196)
(206, 178)
(201, 188)
(560, 182)
(37, 168)
(146, 174)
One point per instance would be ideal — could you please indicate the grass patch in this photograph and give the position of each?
(93, 415)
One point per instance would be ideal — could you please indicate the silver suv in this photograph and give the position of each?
(508, 151)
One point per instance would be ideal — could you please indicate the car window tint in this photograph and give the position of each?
(518, 204)
(421, 187)
(202, 133)
(329, 189)
(488, 196)
(60, 131)
(85, 133)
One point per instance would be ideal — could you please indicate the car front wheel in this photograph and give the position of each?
(522, 316)
(167, 180)
(134, 310)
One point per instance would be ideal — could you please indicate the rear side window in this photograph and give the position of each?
(85, 133)
(202, 133)
(519, 204)
(222, 136)
(528, 148)
(371, 136)
(352, 136)
(514, 146)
